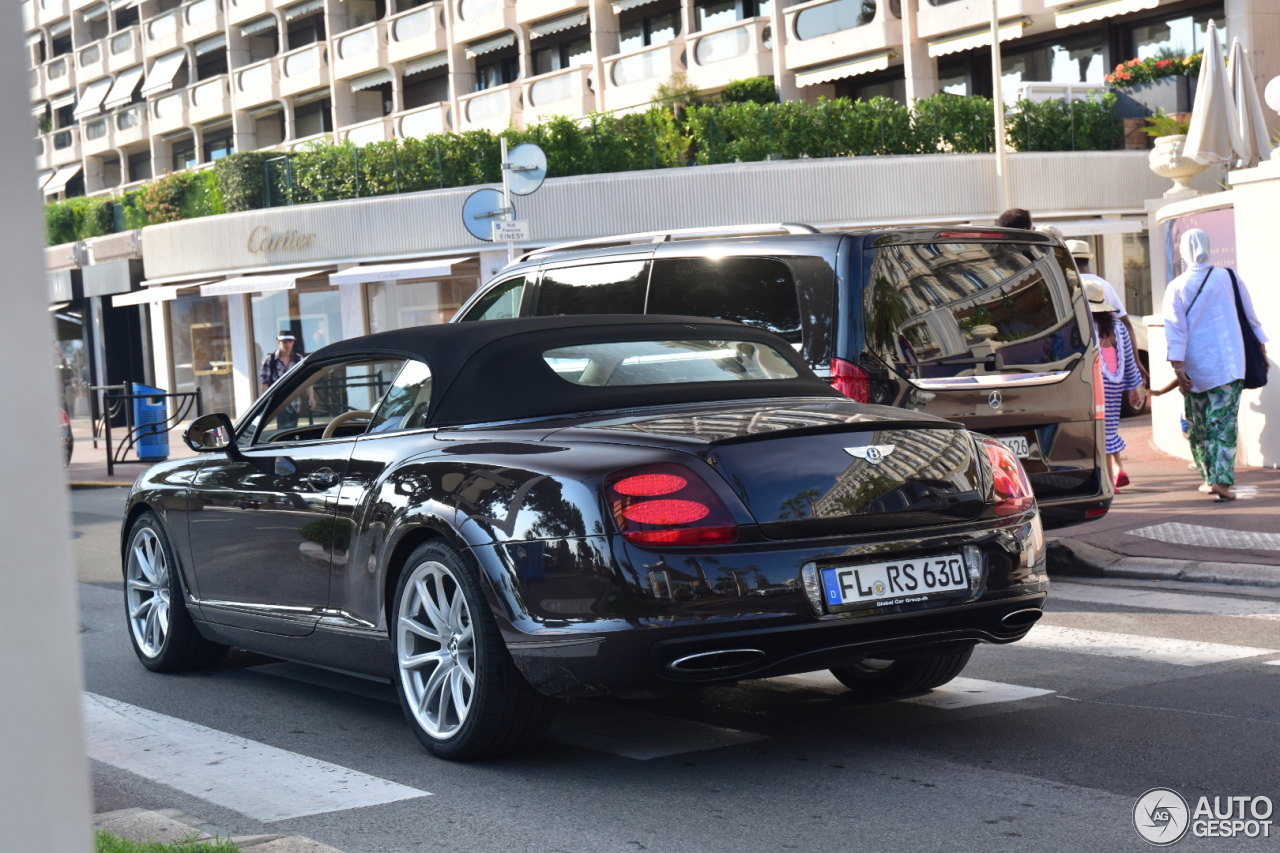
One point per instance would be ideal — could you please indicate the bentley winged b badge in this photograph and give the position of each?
(873, 453)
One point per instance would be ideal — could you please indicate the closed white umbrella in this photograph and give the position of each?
(1251, 122)
(1213, 136)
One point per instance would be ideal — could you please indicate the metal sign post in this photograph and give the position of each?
(490, 215)
(997, 71)
(506, 198)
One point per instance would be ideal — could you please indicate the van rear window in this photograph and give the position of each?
(758, 292)
(946, 310)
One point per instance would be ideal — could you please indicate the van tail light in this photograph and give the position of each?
(1099, 390)
(850, 380)
(1009, 484)
(668, 504)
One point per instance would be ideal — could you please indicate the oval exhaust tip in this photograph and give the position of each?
(1022, 618)
(723, 659)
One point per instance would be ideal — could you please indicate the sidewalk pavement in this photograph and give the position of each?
(170, 826)
(88, 468)
(1161, 528)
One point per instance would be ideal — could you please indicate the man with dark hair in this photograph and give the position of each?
(1015, 217)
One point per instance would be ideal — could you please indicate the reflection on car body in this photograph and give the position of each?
(494, 516)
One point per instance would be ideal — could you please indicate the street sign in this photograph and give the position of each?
(527, 168)
(514, 232)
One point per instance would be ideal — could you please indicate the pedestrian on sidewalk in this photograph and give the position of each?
(1119, 374)
(277, 364)
(1204, 309)
(1083, 257)
(1015, 217)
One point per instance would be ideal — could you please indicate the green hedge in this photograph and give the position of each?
(746, 128)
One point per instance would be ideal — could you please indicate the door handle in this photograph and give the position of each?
(323, 478)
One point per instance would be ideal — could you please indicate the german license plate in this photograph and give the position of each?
(900, 582)
(1016, 443)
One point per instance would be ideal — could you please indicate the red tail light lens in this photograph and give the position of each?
(1009, 484)
(850, 380)
(1099, 391)
(668, 504)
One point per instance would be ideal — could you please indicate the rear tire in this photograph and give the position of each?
(458, 686)
(163, 635)
(882, 678)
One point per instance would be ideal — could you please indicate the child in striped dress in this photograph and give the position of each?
(1119, 374)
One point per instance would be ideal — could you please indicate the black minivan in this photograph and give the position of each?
(986, 326)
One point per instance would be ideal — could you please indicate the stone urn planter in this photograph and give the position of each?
(1166, 160)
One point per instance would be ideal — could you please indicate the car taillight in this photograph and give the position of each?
(1009, 484)
(667, 504)
(1099, 391)
(850, 380)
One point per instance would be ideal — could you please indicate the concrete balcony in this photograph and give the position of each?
(97, 135)
(956, 17)
(77, 5)
(169, 112)
(131, 125)
(163, 33)
(528, 11)
(35, 83)
(304, 69)
(493, 109)
(476, 19)
(360, 51)
(48, 11)
(560, 93)
(422, 121)
(203, 18)
(256, 84)
(124, 49)
(303, 142)
(239, 11)
(91, 61)
(44, 148)
(58, 76)
(415, 33)
(811, 41)
(720, 56)
(64, 146)
(210, 99)
(633, 77)
(365, 132)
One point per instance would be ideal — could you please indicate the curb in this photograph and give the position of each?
(1072, 557)
(96, 484)
(170, 826)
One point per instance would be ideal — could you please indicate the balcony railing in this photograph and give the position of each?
(415, 33)
(303, 60)
(480, 18)
(91, 55)
(163, 25)
(422, 121)
(210, 98)
(415, 23)
(255, 83)
(63, 139)
(201, 10)
(358, 42)
(734, 52)
(493, 109)
(366, 132)
(830, 31)
(648, 64)
(56, 70)
(131, 118)
(565, 92)
(96, 129)
(123, 40)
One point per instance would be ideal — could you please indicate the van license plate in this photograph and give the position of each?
(901, 582)
(1016, 443)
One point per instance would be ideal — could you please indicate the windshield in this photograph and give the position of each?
(965, 311)
(667, 362)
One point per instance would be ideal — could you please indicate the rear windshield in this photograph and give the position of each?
(757, 292)
(667, 362)
(946, 311)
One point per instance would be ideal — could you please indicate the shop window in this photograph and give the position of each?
(497, 69)
(313, 313)
(1177, 35)
(721, 13)
(315, 117)
(658, 27)
(200, 349)
(211, 64)
(72, 360)
(572, 50)
(1075, 60)
(183, 153)
(417, 302)
(424, 91)
(1137, 274)
(218, 144)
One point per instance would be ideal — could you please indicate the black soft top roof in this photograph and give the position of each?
(494, 371)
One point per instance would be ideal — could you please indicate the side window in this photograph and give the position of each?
(616, 288)
(500, 303)
(348, 393)
(407, 403)
(758, 292)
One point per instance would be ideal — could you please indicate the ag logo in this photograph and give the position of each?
(995, 399)
(1161, 816)
(873, 453)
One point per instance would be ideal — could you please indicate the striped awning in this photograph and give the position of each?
(368, 81)
(298, 10)
(162, 73)
(973, 39)
(1083, 13)
(489, 45)
(210, 44)
(96, 12)
(63, 101)
(91, 100)
(159, 293)
(434, 268)
(258, 25)
(844, 68)
(258, 283)
(34, 39)
(61, 178)
(122, 90)
(559, 24)
(624, 5)
(60, 28)
(426, 63)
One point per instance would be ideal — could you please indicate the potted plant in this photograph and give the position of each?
(1166, 159)
(1145, 86)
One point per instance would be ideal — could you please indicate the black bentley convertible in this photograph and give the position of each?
(493, 515)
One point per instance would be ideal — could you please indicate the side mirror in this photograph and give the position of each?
(211, 433)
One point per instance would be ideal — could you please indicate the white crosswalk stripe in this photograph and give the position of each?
(1159, 600)
(957, 693)
(1139, 646)
(1199, 536)
(255, 779)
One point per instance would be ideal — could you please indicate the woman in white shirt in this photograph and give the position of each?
(1206, 349)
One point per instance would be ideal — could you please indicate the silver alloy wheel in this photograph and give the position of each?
(436, 648)
(147, 581)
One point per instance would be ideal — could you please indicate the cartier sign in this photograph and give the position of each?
(261, 239)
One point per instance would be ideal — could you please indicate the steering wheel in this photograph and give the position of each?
(341, 419)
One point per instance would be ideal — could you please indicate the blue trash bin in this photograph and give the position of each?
(150, 419)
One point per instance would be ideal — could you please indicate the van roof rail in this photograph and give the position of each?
(671, 235)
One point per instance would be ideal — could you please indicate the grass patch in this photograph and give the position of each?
(108, 843)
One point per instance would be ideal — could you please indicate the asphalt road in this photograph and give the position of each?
(1046, 745)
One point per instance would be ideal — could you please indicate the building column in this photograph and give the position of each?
(355, 323)
(920, 69)
(244, 372)
(604, 42)
(784, 80)
(161, 376)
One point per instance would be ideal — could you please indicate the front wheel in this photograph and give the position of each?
(885, 678)
(459, 688)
